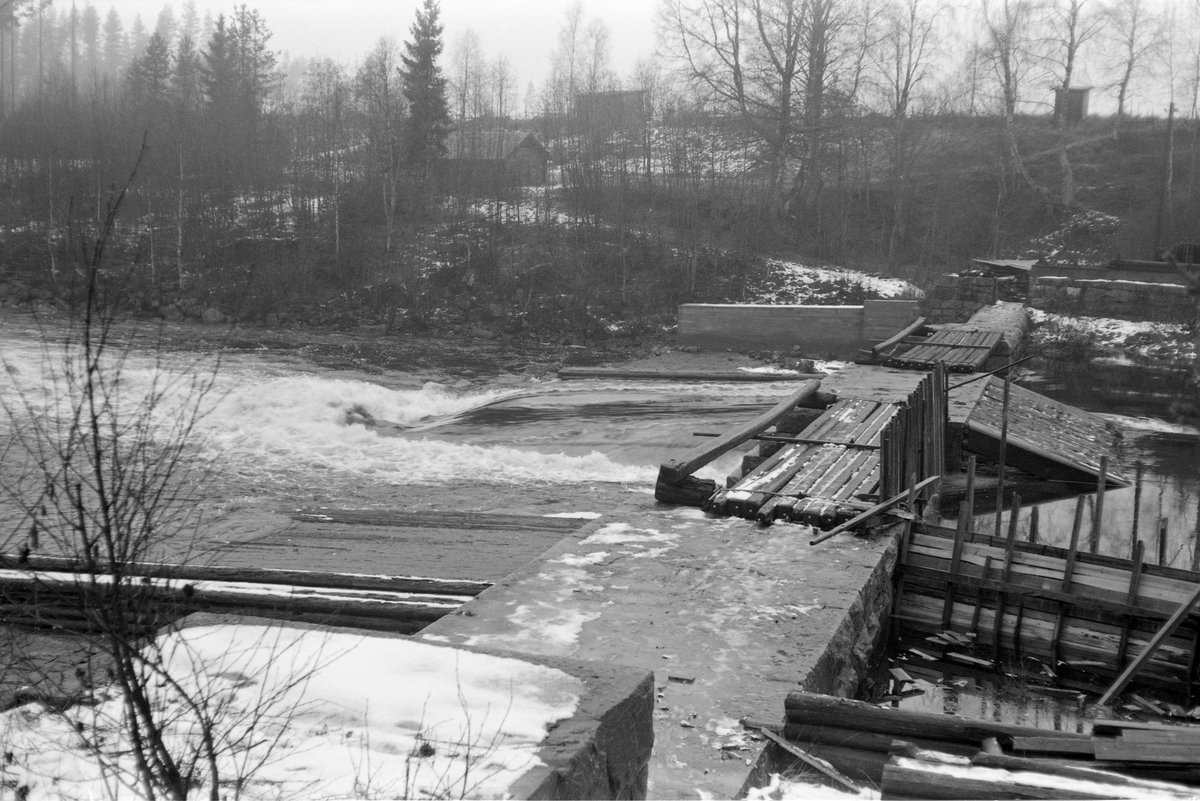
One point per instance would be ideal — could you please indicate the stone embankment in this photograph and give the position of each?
(1124, 300)
(954, 298)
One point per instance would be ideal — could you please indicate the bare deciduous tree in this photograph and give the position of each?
(1135, 36)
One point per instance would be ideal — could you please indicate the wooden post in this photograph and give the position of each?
(1193, 666)
(955, 562)
(1135, 579)
(1163, 525)
(1196, 538)
(1139, 470)
(971, 485)
(1034, 514)
(1068, 572)
(1013, 519)
(1101, 483)
(1003, 448)
(902, 557)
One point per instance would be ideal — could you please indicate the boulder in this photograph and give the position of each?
(212, 316)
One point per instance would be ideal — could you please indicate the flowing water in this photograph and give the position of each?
(358, 422)
(361, 421)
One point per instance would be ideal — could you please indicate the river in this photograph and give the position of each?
(301, 420)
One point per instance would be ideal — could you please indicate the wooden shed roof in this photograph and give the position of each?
(490, 144)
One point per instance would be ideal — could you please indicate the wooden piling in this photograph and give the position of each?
(1068, 574)
(971, 480)
(1097, 520)
(1163, 525)
(955, 564)
(1034, 514)
(1003, 448)
(1139, 473)
(1135, 578)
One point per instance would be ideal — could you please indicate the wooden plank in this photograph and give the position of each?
(721, 377)
(896, 339)
(677, 469)
(796, 440)
(819, 765)
(248, 575)
(474, 521)
(1137, 664)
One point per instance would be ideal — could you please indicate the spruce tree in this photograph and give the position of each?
(425, 91)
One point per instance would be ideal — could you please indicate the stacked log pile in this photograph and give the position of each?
(908, 754)
(60, 595)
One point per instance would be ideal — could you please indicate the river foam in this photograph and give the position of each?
(310, 424)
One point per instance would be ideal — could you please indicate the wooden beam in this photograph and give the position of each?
(896, 339)
(1155, 643)
(874, 510)
(633, 374)
(677, 469)
(251, 575)
(817, 764)
(798, 440)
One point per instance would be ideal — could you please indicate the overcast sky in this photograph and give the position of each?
(523, 30)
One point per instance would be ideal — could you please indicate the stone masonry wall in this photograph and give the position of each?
(954, 298)
(1125, 300)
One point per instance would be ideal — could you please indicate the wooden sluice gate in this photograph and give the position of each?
(983, 601)
(860, 450)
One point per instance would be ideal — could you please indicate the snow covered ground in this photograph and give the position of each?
(1167, 342)
(793, 282)
(311, 714)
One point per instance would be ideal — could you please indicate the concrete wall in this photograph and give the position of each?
(820, 331)
(1125, 300)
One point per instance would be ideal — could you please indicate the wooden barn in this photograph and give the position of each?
(489, 160)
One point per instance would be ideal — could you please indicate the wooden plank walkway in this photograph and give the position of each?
(961, 350)
(1045, 437)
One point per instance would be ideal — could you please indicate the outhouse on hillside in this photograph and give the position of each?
(1071, 104)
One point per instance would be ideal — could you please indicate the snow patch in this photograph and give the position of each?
(463, 725)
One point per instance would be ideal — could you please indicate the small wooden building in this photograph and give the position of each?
(1071, 104)
(486, 160)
